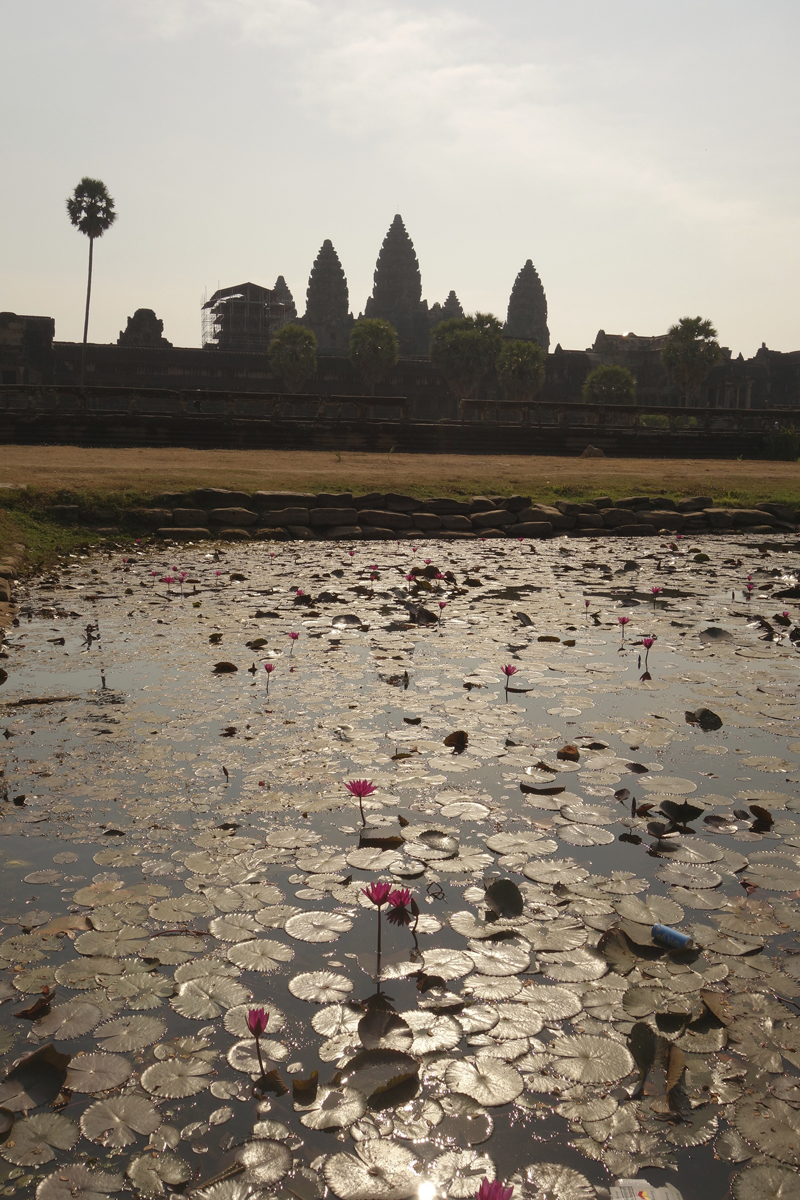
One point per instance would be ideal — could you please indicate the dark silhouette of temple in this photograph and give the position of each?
(143, 329)
(328, 303)
(397, 291)
(527, 308)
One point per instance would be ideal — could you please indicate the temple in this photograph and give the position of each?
(143, 329)
(397, 292)
(527, 308)
(328, 303)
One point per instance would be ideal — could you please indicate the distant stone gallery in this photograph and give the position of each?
(245, 317)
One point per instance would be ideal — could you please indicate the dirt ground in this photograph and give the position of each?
(153, 471)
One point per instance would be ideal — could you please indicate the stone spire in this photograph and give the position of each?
(527, 308)
(144, 328)
(397, 292)
(284, 296)
(450, 310)
(328, 303)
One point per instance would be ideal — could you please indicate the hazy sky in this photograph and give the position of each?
(644, 154)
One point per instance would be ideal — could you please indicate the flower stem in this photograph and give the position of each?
(260, 1059)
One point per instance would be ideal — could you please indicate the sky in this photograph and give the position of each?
(644, 155)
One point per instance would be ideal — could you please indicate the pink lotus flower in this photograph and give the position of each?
(399, 902)
(411, 578)
(361, 788)
(586, 603)
(785, 614)
(493, 1191)
(442, 604)
(508, 670)
(401, 897)
(648, 642)
(257, 1019)
(656, 592)
(377, 892)
(428, 562)
(299, 592)
(293, 636)
(351, 552)
(269, 668)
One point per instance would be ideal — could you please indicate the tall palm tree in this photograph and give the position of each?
(91, 210)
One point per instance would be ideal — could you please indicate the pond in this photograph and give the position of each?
(568, 744)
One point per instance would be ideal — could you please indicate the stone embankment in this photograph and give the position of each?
(230, 515)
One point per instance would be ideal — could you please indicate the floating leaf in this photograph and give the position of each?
(130, 1033)
(588, 1059)
(432, 1033)
(203, 999)
(176, 1078)
(460, 1172)
(772, 1126)
(765, 1180)
(149, 1172)
(36, 1080)
(502, 958)
(266, 1160)
(79, 1182)
(262, 954)
(383, 1029)
(486, 1080)
(377, 1170)
(69, 1020)
(551, 1181)
(375, 1071)
(320, 987)
(447, 964)
(333, 1108)
(34, 1140)
(317, 926)
(97, 1072)
(116, 1121)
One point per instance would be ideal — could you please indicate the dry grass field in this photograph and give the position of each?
(56, 469)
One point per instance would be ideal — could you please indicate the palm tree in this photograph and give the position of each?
(293, 354)
(374, 348)
(91, 210)
(690, 352)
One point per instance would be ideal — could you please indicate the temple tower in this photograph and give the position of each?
(527, 308)
(283, 296)
(328, 303)
(397, 292)
(449, 311)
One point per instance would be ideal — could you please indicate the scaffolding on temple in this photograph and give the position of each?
(242, 318)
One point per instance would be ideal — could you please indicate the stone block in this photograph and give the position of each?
(97, 516)
(590, 521)
(455, 535)
(763, 529)
(602, 502)
(396, 502)
(321, 517)
(374, 533)
(719, 518)
(234, 534)
(547, 512)
(276, 500)
(5, 592)
(493, 519)
(172, 500)
(442, 506)
(491, 532)
(695, 504)
(567, 508)
(381, 519)
(220, 498)
(662, 504)
(742, 517)
(424, 520)
(530, 529)
(188, 517)
(154, 518)
(456, 522)
(515, 504)
(635, 529)
(183, 535)
(343, 532)
(633, 503)
(334, 500)
(481, 504)
(663, 520)
(614, 517)
(230, 517)
(371, 500)
(303, 533)
(587, 507)
(593, 452)
(783, 512)
(284, 516)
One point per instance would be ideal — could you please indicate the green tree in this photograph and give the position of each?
(374, 349)
(466, 349)
(520, 366)
(610, 385)
(91, 210)
(293, 355)
(690, 353)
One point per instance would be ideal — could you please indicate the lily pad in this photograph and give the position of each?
(377, 1170)
(320, 987)
(587, 1059)
(487, 1080)
(34, 1140)
(79, 1182)
(261, 954)
(149, 1172)
(116, 1121)
(318, 926)
(176, 1078)
(97, 1072)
